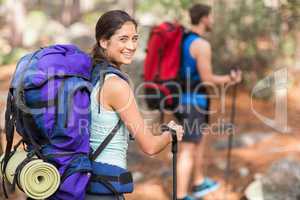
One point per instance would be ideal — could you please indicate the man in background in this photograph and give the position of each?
(197, 68)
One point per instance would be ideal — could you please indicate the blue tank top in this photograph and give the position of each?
(188, 70)
(188, 67)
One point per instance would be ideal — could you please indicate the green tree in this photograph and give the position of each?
(253, 35)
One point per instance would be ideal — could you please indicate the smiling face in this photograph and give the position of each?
(121, 46)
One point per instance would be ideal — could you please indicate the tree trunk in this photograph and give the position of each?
(297, 54)
(129, 6)
(16, 21)
(71, 12)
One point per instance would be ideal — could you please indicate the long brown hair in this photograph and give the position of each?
(106, 27)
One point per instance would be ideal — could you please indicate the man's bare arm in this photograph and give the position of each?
(201, 51)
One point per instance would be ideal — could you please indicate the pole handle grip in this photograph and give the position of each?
(165, 127)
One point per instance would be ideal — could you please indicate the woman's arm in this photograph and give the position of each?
(120, 97)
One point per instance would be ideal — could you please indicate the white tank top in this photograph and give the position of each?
(102, 123)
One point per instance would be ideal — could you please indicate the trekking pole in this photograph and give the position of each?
(230, 138)
(174, 152)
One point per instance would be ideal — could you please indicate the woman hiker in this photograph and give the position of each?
(116, 42)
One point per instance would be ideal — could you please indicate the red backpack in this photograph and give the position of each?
(161, 66)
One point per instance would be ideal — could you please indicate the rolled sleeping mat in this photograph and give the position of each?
(38, 179)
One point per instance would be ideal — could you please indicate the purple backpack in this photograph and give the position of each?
(48, 105)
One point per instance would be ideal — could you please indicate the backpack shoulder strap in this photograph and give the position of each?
(105, 70)
(106, 140)
(9, 133)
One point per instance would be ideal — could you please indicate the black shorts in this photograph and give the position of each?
(194, 120)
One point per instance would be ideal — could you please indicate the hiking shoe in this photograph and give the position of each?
(206, 187)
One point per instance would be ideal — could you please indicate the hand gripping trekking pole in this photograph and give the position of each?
(230, 137)
(174, 152)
